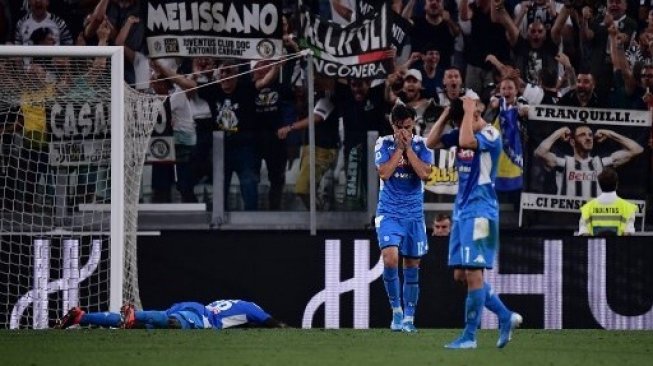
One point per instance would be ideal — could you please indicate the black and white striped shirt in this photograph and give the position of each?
(578, 177)
(27, 25)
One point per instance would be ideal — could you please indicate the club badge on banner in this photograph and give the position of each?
(360, 50)
(568, 147)
(214, 28)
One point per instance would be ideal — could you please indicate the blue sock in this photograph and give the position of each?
(494, 303)
(391, 281)
(411, 290)
(155, 318)
(473, 309)
(105, 319)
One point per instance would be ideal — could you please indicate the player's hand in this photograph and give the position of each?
(564, 133)
(601, 135)
(406, 137)
(399, 142)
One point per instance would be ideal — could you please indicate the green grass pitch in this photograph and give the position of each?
(318, 347)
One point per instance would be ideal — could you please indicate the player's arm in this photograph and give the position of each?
(544, 150)
(433, 140)
(420, 167)
(466, 139)
(630, 147)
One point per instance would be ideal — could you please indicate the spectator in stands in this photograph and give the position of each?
(39, 17)
(202, 69)
(436, 27)
(32, 162)
(233, 111)
(642, 96)
(596, 34)
(534, 52)
(293, 93)
(410, 94)
(453, 88)
(327, 142)
(608, 214)
(486, 36)
(441, 225)
(583, 94)
(201, 155)
(431, 69)
(131, 37)
(268, 116)
(508, 110)
(529, 12)
(362, 107)
(178, 113)
(125, 18)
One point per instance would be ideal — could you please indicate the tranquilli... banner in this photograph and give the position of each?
(214, 28)
(568, 147)
(360, 50)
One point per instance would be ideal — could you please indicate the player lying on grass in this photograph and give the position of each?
(219, 314)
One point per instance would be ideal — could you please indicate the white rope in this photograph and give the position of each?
(283, 59)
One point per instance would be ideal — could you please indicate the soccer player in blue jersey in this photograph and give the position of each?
(219, 314)
(403, 163)
(474, 238)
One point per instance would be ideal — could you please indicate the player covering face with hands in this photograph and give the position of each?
(474, 237)
(403, 163)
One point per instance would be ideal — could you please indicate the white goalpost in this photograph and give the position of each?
(73, 133)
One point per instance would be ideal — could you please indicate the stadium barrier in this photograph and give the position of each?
(332, 280)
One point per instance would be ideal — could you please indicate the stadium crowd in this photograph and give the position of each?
(510, 54)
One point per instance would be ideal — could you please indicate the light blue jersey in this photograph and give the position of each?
(477, 172)
(402, 195)
(219, 314)
(474, 237)
(231, 313)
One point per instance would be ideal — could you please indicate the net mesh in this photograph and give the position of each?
(55, 182)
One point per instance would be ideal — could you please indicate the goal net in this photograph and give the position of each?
(74, 139)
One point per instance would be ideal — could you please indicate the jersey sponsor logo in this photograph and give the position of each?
(582, 175)
(403, 175)
(465, 155)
